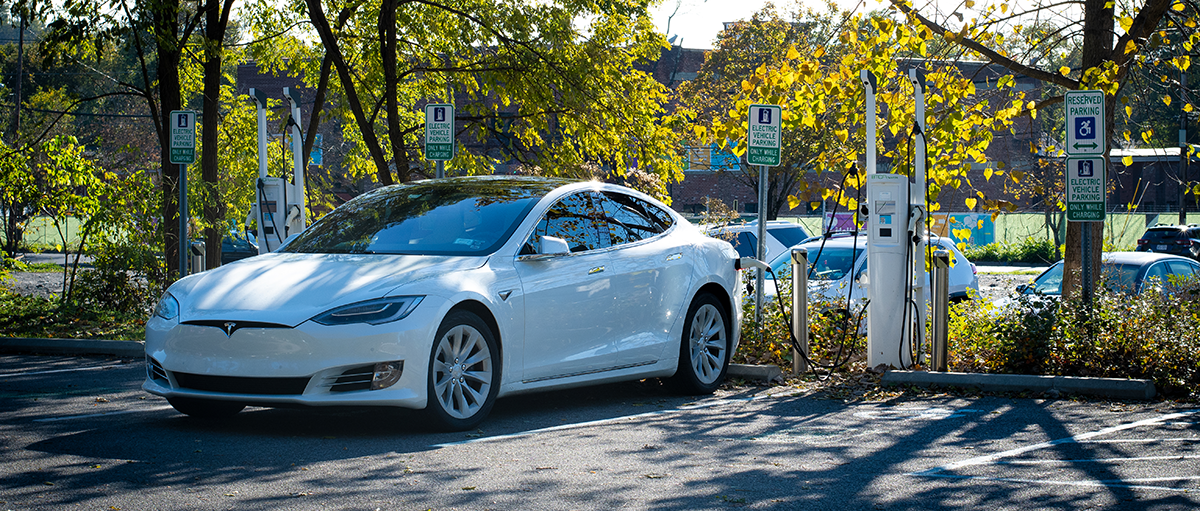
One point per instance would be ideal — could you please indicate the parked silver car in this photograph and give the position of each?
(1128, 272)
(839, 269)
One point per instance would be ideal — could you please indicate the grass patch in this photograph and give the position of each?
(37, 317)
(38, 267)
(1020, 272)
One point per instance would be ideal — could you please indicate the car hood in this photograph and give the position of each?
(289, 288)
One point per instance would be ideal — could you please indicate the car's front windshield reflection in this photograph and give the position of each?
(455, 217)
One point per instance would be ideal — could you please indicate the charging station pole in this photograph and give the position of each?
(300, 221)
(257, 211)
(916, 200)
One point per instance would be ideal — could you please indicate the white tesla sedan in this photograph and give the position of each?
(445, 295)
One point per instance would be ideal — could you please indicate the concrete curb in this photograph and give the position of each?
(1104, 387)
(767, 373)
(131, 349)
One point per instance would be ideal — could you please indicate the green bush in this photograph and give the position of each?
(1155, 336)
(1030, 251)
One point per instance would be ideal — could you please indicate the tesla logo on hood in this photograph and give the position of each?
(229, 328)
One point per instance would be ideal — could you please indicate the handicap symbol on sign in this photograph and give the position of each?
(1085, 127)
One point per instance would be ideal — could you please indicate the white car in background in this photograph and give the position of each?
(444, 295)
(781, 234)
(839, 270)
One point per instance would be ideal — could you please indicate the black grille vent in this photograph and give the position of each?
(355, 378)
(229, 327)
(242, 385)
(155, 371)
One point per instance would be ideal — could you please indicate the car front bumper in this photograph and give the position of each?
(308, 365)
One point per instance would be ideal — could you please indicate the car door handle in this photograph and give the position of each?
(676, 255)
(598, 269)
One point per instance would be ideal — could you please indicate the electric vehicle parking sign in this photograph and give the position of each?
(1085, 189)
(183, 137)
(439, 132)
(763, 135)
(1085, 122)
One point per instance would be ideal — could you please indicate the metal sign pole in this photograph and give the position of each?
(183, 221)
(760, 278)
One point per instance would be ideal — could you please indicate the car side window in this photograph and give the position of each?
(629, 219)
(746, 244)
(1157, 272)
(1182, 271)
(572, 219)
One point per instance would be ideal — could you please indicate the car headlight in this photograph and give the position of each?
(372, 312)
(168, 307)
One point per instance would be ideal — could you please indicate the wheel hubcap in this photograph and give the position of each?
(708, 343)
(462, 372)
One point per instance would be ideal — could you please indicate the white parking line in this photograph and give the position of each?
(101, 414)
(600, 422)
(53, 371)
(945, 471)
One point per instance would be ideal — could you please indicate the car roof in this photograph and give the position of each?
(1139, 258)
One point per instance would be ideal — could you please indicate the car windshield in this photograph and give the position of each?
(789, 235)
(1048, 283)
(469, 216)
(833, 263)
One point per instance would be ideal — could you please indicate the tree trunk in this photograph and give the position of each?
(387, 45)
(216, 22)
(316, 14)
(166, 36)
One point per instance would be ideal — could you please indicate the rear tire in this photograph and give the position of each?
(464, 373)
(704, 349)
(205, 408)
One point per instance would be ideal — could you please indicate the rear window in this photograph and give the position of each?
(789, 235)
(1162, 234)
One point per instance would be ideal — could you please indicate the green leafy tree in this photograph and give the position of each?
(766, 39)
(1112, 40)
(821, 94)
(553, 95)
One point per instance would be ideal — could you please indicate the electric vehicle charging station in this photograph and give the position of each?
(895, 212)
(279, 211)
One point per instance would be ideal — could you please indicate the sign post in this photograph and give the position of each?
(183, 153)
(439, 135)
(763, 137)
(1085, 137)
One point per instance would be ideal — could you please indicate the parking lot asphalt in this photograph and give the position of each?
(79, 432)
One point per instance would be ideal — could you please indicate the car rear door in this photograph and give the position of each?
(652, 276)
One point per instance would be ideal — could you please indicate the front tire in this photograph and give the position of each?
(464, 373)
(704, 348)
(205, 408)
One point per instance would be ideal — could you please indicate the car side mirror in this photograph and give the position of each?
(1021, 288)
(863, 278)
(548, 247)
(552, 246)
